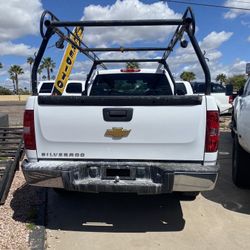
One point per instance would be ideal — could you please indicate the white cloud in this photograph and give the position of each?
(19, 18)
(9, 48)
(233, 13)
(248, 39)
(127, 10)
(215, 39)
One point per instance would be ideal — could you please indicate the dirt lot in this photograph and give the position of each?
(15, 111)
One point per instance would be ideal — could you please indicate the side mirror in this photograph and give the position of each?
(240, 92)
(229, 89)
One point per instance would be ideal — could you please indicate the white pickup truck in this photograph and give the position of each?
(73, 87)
(129, 131)
(241, 132)
(183, 88)
(218, 91)
(129, 134)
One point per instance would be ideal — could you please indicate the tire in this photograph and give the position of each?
(61, 191)
(240, 165)
(189, 195)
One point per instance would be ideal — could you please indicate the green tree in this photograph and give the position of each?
(221, 78)
(132, 65)
(49, 65)
(12, 77)
(238, 81)
(5, 91)
(14, 72)
(188, 76)
(1, 65)
(30, 61)
(44, 77)
(40, 71)
(24, 91)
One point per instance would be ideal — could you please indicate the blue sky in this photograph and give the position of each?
(223, 33)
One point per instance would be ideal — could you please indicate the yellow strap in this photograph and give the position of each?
(67, 62)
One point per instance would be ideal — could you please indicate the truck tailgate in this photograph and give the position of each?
(161, 132)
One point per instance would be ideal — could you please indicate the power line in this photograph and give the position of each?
(209, 5)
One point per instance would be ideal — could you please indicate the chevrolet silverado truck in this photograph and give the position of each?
(241, 135)
(129, 131)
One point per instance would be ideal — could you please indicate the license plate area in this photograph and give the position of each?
(124, 173)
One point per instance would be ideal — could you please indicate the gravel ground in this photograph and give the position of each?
(18, 214)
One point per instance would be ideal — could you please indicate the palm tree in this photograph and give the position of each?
(30, 61)
(15, 71)
(12, 77)
(49, 65)
(187, 76)
(132, 65)
(222, 78)
(40, 71)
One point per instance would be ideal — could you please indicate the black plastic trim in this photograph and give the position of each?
(117, 115)
(120, 100)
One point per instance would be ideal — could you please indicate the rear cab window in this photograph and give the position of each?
(74, 88)
(130, 84)
(180, 87)
(46, 88)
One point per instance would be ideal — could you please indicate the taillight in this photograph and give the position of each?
(29, 130)
(231, 99)
(212, 131)
(130, 70)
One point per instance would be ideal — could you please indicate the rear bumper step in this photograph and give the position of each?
(121, 176)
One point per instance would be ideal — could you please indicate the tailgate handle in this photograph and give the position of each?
(115, 115)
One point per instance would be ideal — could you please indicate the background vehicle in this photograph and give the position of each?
(241, 132)
(73, 88)
(183, 88)
(224, 102)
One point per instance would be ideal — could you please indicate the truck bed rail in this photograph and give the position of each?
(120, 100)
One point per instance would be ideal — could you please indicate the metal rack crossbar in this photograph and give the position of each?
(50, 25)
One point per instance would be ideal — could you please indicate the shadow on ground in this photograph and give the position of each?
(114, 212)
(225, 192)
(28, 205)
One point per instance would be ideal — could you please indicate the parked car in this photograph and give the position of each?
(241, 135)
(218, 91)
(183, 88)
(73, 87)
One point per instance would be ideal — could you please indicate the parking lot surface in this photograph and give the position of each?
(219, 219)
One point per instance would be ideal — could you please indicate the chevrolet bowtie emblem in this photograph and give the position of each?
(117, 132)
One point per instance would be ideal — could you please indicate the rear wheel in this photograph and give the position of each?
(240, 165)
(189, 195)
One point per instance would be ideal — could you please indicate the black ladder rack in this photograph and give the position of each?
(50, 25)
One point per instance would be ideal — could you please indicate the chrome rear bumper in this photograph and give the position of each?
(142, 177)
